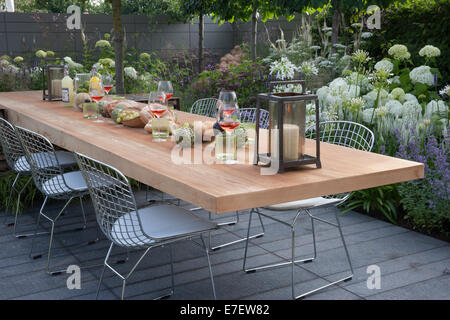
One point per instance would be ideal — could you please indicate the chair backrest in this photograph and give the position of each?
(205, 107)
(113, 201)
(12, 149)
(44, 164)
(248, 115)
(344, 133)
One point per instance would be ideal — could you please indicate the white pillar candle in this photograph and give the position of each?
(291, 142)
(56, 88)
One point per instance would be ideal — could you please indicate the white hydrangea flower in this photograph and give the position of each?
(429, 51)
(435, 106)
(371, 97)
(338, 85)
(411, 97)
(366, 115)
(283, 69)
(395, 108)
(102, 44)
(130, 72)
(384, 64)
(398, 94)
(423, 75)
(399, 52)
(412, 109)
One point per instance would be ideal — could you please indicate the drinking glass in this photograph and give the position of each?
(157, 102)
(228, 114)
(166, 87)
(160, 129)
(226, 148)
(90, 110)
(96, 91)
(108, 83)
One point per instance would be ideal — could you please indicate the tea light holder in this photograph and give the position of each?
(52, 74)
(287, 114)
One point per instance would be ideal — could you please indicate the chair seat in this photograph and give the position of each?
(302, 204)
(65, 159)
(74, 182)
(161, 222)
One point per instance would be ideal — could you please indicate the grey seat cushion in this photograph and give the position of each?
(159, 222)
(302, 204)
(65, 183)
(65, 159)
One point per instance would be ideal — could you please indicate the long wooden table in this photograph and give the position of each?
(215, 187)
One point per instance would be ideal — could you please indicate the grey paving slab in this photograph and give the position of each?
(412, 265)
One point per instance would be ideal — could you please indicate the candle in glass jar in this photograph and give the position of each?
(56, 88)
(291, 140)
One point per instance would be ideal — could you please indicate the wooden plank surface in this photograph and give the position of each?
(216, 187)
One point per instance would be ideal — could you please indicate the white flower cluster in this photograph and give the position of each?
(384, 64)
(429, 51)
(435, 107)
(445, 90)
(72, 64)
(130, 72)
(308, 68)
(283, 69)
(399, 52)
(423, 75)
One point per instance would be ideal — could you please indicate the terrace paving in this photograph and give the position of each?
(412, 265)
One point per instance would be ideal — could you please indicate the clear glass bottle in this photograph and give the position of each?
(67, 89)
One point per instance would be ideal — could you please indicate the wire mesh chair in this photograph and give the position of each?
(128, 227)
(343, 133)
(205, 107)
(16, 159)
(50, 178)
(248, 115)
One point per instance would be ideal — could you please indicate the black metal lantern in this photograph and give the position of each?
(287, 114)
(52, 74)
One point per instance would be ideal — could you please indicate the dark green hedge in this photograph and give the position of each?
(415, 25)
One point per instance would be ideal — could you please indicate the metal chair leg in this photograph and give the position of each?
(209, 267)
(13, 188)
(103, 271)
(280, 264)
(240, 239)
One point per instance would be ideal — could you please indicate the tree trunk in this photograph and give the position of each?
(118, 44)
(201, 37)
(254, 33)
(335, 26)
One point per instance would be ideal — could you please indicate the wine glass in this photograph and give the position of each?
(228, 118)
(166, 87)
(108, 83)
(97, 92)
(228, 114)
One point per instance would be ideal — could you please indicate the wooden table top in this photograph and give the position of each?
(215, 187)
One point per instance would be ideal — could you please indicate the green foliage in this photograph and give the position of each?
(383, 199)
(415, 24)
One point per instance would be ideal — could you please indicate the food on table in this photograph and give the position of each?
(173, 126)
(81, 98)
(116, 112)
(130, 118)
(123, 103)
(184, 136)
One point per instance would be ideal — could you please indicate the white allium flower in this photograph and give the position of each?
(398, 94)
(384, 64)
(366, 115)
(130, 72)
(399, 52)
(422, 74)
(429, 51)
(322, 93)
(394, 107)
(309, 68)
(284, 69)
(371, 97)
(435, 106)
(381, 112)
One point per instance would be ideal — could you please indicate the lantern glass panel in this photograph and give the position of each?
(55, 75)
(294, 123)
